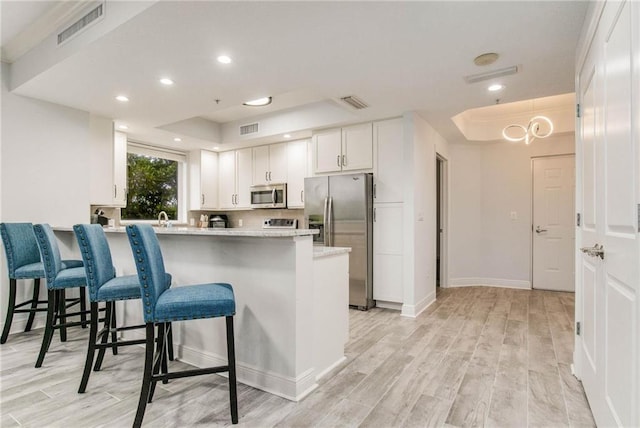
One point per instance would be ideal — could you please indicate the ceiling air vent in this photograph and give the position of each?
(491, 74)
(355, 102)
(94, 14)
(251, 128)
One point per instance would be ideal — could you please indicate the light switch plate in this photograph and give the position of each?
(514, 215)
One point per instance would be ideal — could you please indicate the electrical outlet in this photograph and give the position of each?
(239, 222)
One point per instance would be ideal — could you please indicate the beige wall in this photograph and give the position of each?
(488, 182)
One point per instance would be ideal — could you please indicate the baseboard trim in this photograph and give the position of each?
(389, 305)
(331, 367)
(294, 389)
(412, 311)
(490, 282)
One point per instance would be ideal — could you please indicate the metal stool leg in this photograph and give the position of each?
(105, 337)
(114, 328)
(10, 308)
(83, 307)
(170, 341)
(231, 357)
(34, 304)
(62, 311)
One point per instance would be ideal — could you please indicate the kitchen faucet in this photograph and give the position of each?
(161, 222)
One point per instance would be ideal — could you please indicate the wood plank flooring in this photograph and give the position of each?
(479, 356)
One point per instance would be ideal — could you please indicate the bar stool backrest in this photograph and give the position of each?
(96, 255)
(20, 245)
(150, 266)
(49, 251)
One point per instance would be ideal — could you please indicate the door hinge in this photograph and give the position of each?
(578, 219)
(578, 328)
(577, 110)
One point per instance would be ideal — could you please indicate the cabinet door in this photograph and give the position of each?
(388, 171)
(327, 151)
(120, 169)
(243, 178)
(208, 180)
(227, 179)
(260, 165)
(101, 150)
(278, 163)
(357, 147)
(296, 172)
(387, 253)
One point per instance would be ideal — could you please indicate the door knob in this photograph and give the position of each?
(595, 251)
(538, 230)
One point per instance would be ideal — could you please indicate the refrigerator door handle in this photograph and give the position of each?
(328, 227)
(325, 220)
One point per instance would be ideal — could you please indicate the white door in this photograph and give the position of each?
(553, 223)
(296, 172)
(607, 358)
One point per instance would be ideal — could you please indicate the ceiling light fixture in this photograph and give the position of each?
(258, 102)
(495, 87)
(223, 59)
(177, 139)
(486, 59)
(287, 135)
(123, 127)
(166, 81)
(216, 148)
(531, 132)
(122, 98)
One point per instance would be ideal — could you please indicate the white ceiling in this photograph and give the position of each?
(396, 56)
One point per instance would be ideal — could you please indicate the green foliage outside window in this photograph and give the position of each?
(153, 187)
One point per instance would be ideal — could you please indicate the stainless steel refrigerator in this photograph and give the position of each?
(341, 208)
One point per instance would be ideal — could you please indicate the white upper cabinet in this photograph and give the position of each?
(234, 175)
(297, 162)
(346, 149)
(204, 179)
(108, 151)
(270, 164)
(388, 171)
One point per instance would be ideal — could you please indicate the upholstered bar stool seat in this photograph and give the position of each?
(104, 287)
(23, 263)
(162, 304)
(58, 281)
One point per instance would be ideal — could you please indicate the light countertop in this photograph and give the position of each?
(329, 251)
(256, 233)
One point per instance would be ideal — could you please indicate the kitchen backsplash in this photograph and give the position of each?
(252, 219)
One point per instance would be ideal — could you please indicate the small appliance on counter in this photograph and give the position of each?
(218, 221)
(280, 223)
(98, 218)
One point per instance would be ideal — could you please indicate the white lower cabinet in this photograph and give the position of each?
(387, 252)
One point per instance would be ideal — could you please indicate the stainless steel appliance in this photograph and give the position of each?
(218, 221)
(280, 223)
(269, 196)
(341, 208)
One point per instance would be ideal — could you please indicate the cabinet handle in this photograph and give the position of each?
(202, 199)
(233, 198)
(266, 176)
(269, 175)
(374, 214)
(338, 160)
(115, 191)
(344, 160)
(374, 191)
(302, 196)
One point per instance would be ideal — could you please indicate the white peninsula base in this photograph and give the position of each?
(291, 320)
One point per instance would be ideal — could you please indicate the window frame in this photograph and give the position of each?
(137, 148)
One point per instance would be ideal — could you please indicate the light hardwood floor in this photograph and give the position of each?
(478, 356)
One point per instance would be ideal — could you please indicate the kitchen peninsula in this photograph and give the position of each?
(291, 320)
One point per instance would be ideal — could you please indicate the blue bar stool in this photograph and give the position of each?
(162, 304)
(23, 262)
(58, 281)
(104, 286)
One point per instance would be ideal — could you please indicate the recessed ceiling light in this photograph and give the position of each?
(166, 81)
(123, 127)
(224, 59)
(495, 87)
(177, 139)
(122, 98)
(216, 148)
(287, 135)
(258, 102)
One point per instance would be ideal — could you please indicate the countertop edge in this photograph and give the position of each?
(255, 233)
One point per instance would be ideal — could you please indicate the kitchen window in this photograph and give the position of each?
(156, 180)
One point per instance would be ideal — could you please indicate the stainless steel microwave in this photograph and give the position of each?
(269, 196)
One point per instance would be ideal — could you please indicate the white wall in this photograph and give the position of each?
(44, 175)
(421, 143)
(488, 182)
